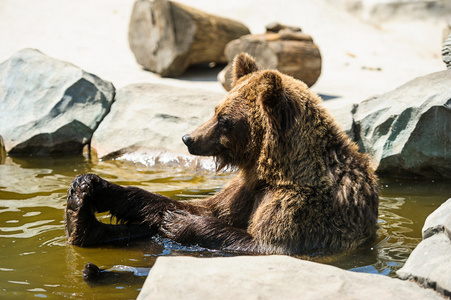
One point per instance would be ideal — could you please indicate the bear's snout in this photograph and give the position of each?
(198, 146)
(187, 140)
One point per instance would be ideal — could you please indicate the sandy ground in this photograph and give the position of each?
(360, 59)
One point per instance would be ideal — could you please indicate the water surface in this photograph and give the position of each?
(35, 261)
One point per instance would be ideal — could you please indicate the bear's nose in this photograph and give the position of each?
(187, 139)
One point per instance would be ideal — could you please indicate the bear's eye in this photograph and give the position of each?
(225, 123)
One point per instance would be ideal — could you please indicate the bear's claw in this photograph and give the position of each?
(80, 189)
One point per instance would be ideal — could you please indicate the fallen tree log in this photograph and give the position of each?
(282, 48)
(167, 37)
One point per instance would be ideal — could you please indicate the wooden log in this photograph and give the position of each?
(288, 50)
(167, 37)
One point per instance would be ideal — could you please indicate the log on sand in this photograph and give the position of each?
(282, 48)
(167, 37)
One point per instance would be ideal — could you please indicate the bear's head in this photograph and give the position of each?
(259, 124)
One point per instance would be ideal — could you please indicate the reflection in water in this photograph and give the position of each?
(36, 262)
(394, 228)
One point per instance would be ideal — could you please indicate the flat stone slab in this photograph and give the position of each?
(269, 277)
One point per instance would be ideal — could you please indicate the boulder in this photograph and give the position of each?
(341, 111)
(407, 131)
(48, 106)
(269, 277)
(430, 262)
(147, 121)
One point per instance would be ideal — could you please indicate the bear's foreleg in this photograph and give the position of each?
(137, 211)
(208, 232)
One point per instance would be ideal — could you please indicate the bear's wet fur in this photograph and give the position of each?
(301, 185)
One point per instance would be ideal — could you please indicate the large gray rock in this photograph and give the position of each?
(342, 113)
(430, 262)
(269, 277)
(408, 130)
(48, 106)
(148, 121)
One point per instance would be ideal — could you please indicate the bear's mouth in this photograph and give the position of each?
(200, 151)
(195, 151)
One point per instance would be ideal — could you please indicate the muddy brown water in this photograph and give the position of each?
(35, 261)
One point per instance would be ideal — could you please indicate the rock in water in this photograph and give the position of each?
(408, 130)
(430, 262)
(49, 107)
(147, 120)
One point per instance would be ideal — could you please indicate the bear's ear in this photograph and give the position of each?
(243, 64)
(271, 95)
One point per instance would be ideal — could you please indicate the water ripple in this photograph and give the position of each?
(29, 230)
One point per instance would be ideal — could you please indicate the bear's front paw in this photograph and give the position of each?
(80, 217)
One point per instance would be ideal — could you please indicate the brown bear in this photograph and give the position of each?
(302, 186)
